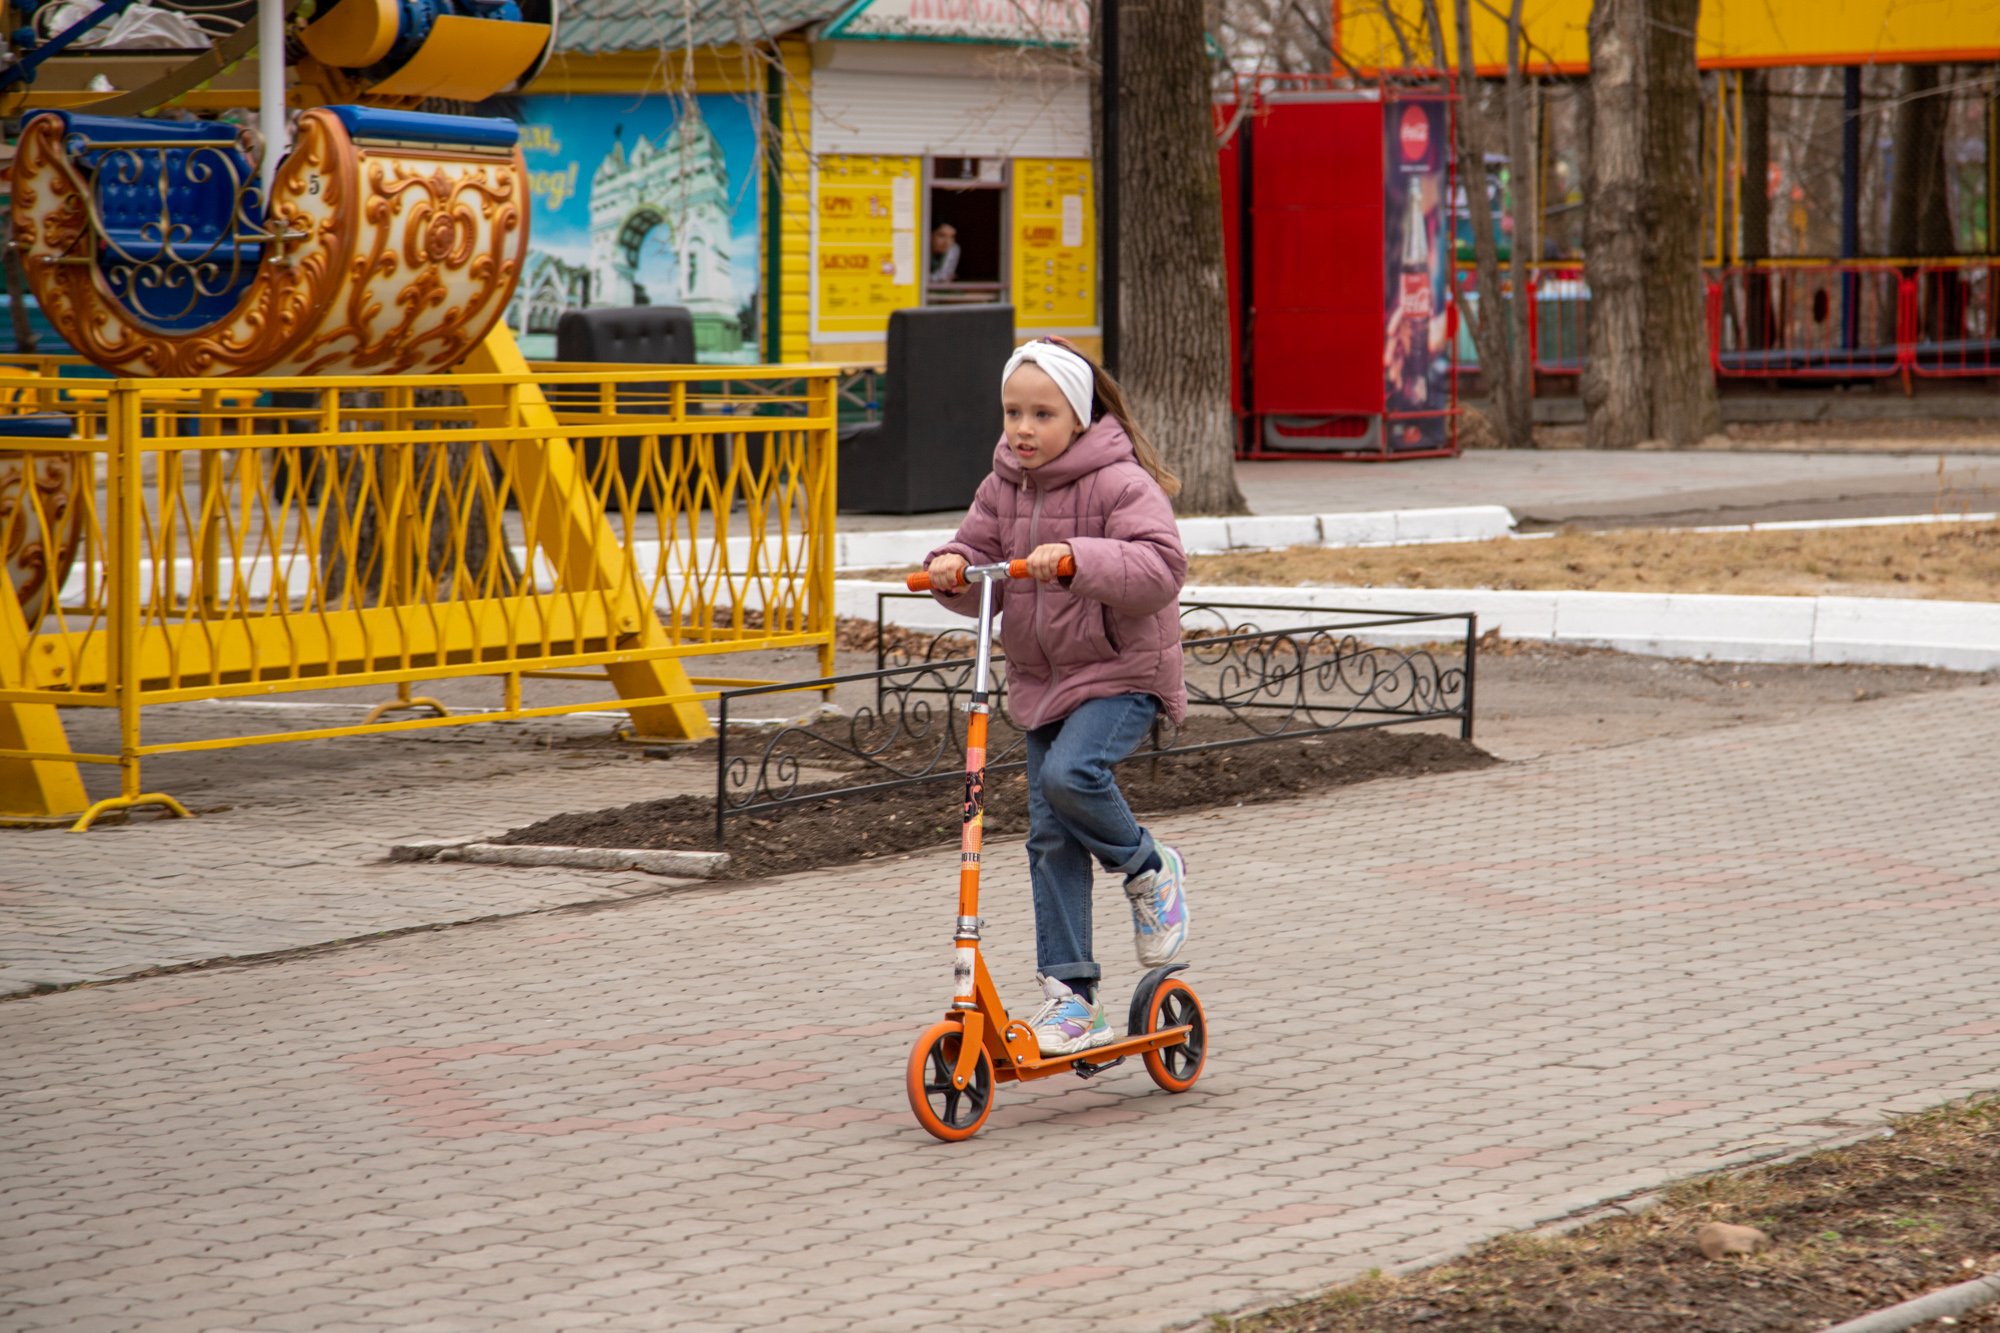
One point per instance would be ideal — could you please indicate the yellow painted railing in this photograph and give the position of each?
(504, 521)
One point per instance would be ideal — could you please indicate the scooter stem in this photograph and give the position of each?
(982, 678)
(972, 833)
(965, 962)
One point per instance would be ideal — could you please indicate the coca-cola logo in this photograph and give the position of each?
(1414, 133)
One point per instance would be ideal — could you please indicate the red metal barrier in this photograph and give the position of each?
(1558, 323)
(1808, 321)
(1954, 319)
(1865, 319)
(1558, 329)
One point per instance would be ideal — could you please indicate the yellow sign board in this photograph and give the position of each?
(1776, 34)
(1055, 245)
(867, 257)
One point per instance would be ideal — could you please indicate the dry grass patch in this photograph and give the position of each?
(1853, 1229)
(1954, 561)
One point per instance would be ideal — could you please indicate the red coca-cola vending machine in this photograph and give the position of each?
(1337, 230)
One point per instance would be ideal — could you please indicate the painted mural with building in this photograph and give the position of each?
(642, 200)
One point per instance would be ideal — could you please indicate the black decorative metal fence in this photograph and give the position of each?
(1328, 672)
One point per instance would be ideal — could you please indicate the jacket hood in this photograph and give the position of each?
(1102, 445)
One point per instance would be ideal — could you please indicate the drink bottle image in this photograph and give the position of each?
(1414, 307)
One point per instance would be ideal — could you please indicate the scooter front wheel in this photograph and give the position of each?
(945, 1111)
(1176, 1067)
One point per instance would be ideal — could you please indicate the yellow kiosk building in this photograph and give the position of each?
(792, 187)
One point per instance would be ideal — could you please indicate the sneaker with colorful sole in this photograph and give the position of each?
(1159, 910)
(1067, 1023)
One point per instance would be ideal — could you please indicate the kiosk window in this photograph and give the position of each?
(965, 261)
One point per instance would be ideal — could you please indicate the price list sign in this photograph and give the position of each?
(1055, 245)
(866, 258)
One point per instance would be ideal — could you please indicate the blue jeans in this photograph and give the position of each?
(1077, 815)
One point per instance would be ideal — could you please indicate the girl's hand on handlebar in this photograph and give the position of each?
(948, 572)
(1042, 561)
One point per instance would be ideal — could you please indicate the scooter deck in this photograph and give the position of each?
(1012, 1070)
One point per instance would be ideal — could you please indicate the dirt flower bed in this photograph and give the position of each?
(847, 829)
(1852, 1229)
(1954, 561)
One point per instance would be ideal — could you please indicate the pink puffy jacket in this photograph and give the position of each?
(1114, 627)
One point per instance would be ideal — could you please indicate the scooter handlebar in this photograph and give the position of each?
(1016, 569)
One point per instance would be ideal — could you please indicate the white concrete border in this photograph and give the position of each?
(1956, 636)
(893, 548)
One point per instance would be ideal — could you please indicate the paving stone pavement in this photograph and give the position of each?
(1441, 1007)
(296, 858)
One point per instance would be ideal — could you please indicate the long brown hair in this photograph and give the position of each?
(1110, 401)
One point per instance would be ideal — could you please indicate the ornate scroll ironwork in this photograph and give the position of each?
(163, 269)
(1319, 677)
(913, 732)
(1326, 672)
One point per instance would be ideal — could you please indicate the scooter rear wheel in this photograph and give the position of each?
(1176, 1067)
(947, 1112)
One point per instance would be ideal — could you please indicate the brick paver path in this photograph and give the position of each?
(294, 855)
(1441, 1007)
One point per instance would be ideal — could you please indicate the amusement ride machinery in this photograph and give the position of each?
(236, 188)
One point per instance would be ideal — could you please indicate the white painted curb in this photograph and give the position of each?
(1881, 631)
(891, 548)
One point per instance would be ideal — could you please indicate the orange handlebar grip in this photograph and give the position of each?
(1018, 569)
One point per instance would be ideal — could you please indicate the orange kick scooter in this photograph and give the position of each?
(957, 1061)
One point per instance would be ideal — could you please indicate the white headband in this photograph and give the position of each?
(1070, 372)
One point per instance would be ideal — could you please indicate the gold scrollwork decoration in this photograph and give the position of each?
(38, 526)
(380, 258)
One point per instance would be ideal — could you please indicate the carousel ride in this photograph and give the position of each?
(371, 237)
(368, 238)
(245, 188)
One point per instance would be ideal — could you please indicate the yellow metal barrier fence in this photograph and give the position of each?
(504, 521)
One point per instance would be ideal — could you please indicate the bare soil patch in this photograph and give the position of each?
(1952, 561)
(1853, 1229)
(847, 829)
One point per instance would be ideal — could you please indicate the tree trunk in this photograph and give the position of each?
(1684, 406)
(1649, 375)
(453, 557)
(1522, 173)
(1919, 194)
(1616, 398)
(1754, 190)
(1920, 202)
(1489, 325)
(1173, 305)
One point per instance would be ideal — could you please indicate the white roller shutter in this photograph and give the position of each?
(871, 111)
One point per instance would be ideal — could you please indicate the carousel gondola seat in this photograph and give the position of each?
(391, 242)
(188, 198)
